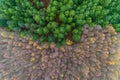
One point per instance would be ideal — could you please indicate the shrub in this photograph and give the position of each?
(59, 18)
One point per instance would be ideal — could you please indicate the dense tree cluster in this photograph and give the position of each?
(60, 19)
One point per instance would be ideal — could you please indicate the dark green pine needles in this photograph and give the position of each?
(59, 19)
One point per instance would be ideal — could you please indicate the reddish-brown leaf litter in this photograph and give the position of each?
(95, 57)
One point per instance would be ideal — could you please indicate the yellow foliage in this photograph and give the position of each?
(39, 47)
(32, 54)
(62, 75)
(114, 38)
(111, 63)
(4, 34)
(14, 78)
(11, 35)
(30, 42)
(52, 76)
(111, 29)
(32, 59)
(69, 42)
(19, 44)
(34, 67)
(28, 47)
(35, 44)
(92, 40)
(117, 54)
